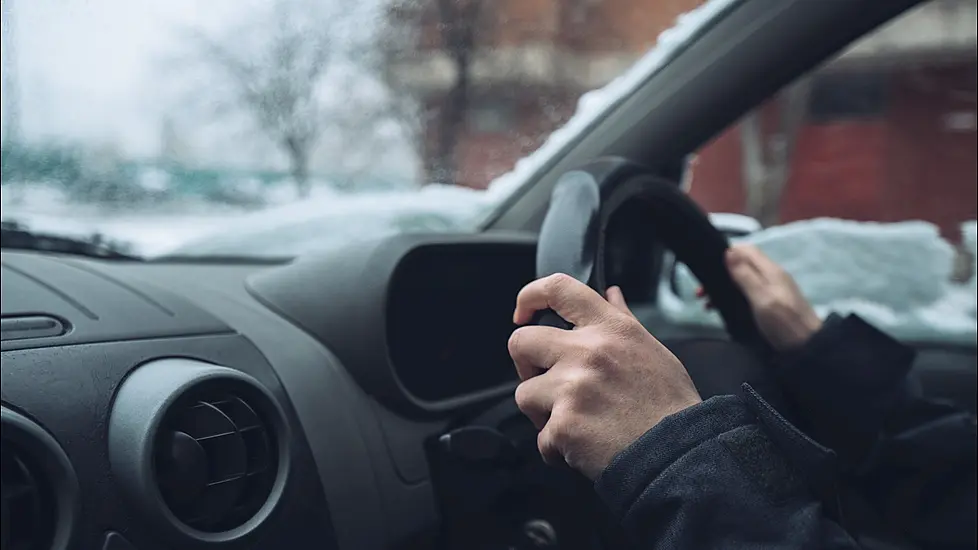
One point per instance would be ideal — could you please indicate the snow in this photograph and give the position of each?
(289, 227)
(737, 224)
(896, 276)
(307, 226)
(900, 265)
(593, 104)
(969, 233)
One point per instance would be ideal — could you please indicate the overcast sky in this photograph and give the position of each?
(95, 70)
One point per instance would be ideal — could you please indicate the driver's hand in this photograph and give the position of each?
(783, 314)
(604, 383)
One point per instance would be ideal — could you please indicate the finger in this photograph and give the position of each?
(547, 444)
(761, 262)
(535, 349)
(616, 297)
(701, 292)
(571, 299)
(535, 397)
(744, 272)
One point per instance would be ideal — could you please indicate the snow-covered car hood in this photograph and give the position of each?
(300, 228)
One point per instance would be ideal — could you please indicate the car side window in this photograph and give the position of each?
(860, 180)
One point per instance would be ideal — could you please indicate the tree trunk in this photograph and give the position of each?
(753, 165)
(299, 168)
(451, 122)
(767, 158)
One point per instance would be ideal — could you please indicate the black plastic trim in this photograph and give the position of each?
(341, 300)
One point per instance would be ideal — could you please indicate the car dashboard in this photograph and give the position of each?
(154, 405)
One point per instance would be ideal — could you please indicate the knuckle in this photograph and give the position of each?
(514, 342)
(768, 302)
(577, 382)
(557, 287)
(601, 351)
(523, 397)
(546, 445)
(558, 281)
(558, 431)
(581, 389)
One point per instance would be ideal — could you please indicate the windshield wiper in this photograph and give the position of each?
(14, 236)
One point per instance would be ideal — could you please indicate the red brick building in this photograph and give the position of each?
(889, 132)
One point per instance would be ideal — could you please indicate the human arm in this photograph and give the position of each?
(910, 458)
(615, 404)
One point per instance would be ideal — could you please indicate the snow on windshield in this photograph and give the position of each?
(897, 276)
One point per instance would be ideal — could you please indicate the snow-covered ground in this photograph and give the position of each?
(897, 276)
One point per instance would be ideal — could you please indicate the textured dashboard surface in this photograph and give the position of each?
(69, 391)
(96, 306)
(365, 461)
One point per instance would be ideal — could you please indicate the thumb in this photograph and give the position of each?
(616, 297)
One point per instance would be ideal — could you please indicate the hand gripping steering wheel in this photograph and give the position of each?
(588, 210)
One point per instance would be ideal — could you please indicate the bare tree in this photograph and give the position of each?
(768, 152)
(277, 81)
(455, 27)
(396, 45)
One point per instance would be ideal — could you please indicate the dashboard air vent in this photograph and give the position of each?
(27, 509)
(202, 450)
(38, 487)
(214, 461)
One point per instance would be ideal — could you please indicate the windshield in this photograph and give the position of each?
(278, 127)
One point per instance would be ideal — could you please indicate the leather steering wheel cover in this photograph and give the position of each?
(685, 229)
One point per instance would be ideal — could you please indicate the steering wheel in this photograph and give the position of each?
(593, 207)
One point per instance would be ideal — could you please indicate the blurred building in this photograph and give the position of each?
(889, 131)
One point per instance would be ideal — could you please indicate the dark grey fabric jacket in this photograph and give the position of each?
(879, 467)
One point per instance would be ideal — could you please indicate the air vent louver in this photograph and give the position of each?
(27, 510)
(214, 462)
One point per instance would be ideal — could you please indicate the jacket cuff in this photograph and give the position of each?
(633, 469)
(848, 378)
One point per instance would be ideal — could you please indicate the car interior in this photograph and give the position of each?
(363, 398)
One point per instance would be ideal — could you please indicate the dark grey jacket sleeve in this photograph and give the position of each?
(719, 476)
(908, 460)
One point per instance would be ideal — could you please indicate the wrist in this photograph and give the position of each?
(800, 332)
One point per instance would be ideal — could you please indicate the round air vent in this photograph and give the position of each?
(202, 449)
(38, 488)
(28, 509)
(215, 466)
